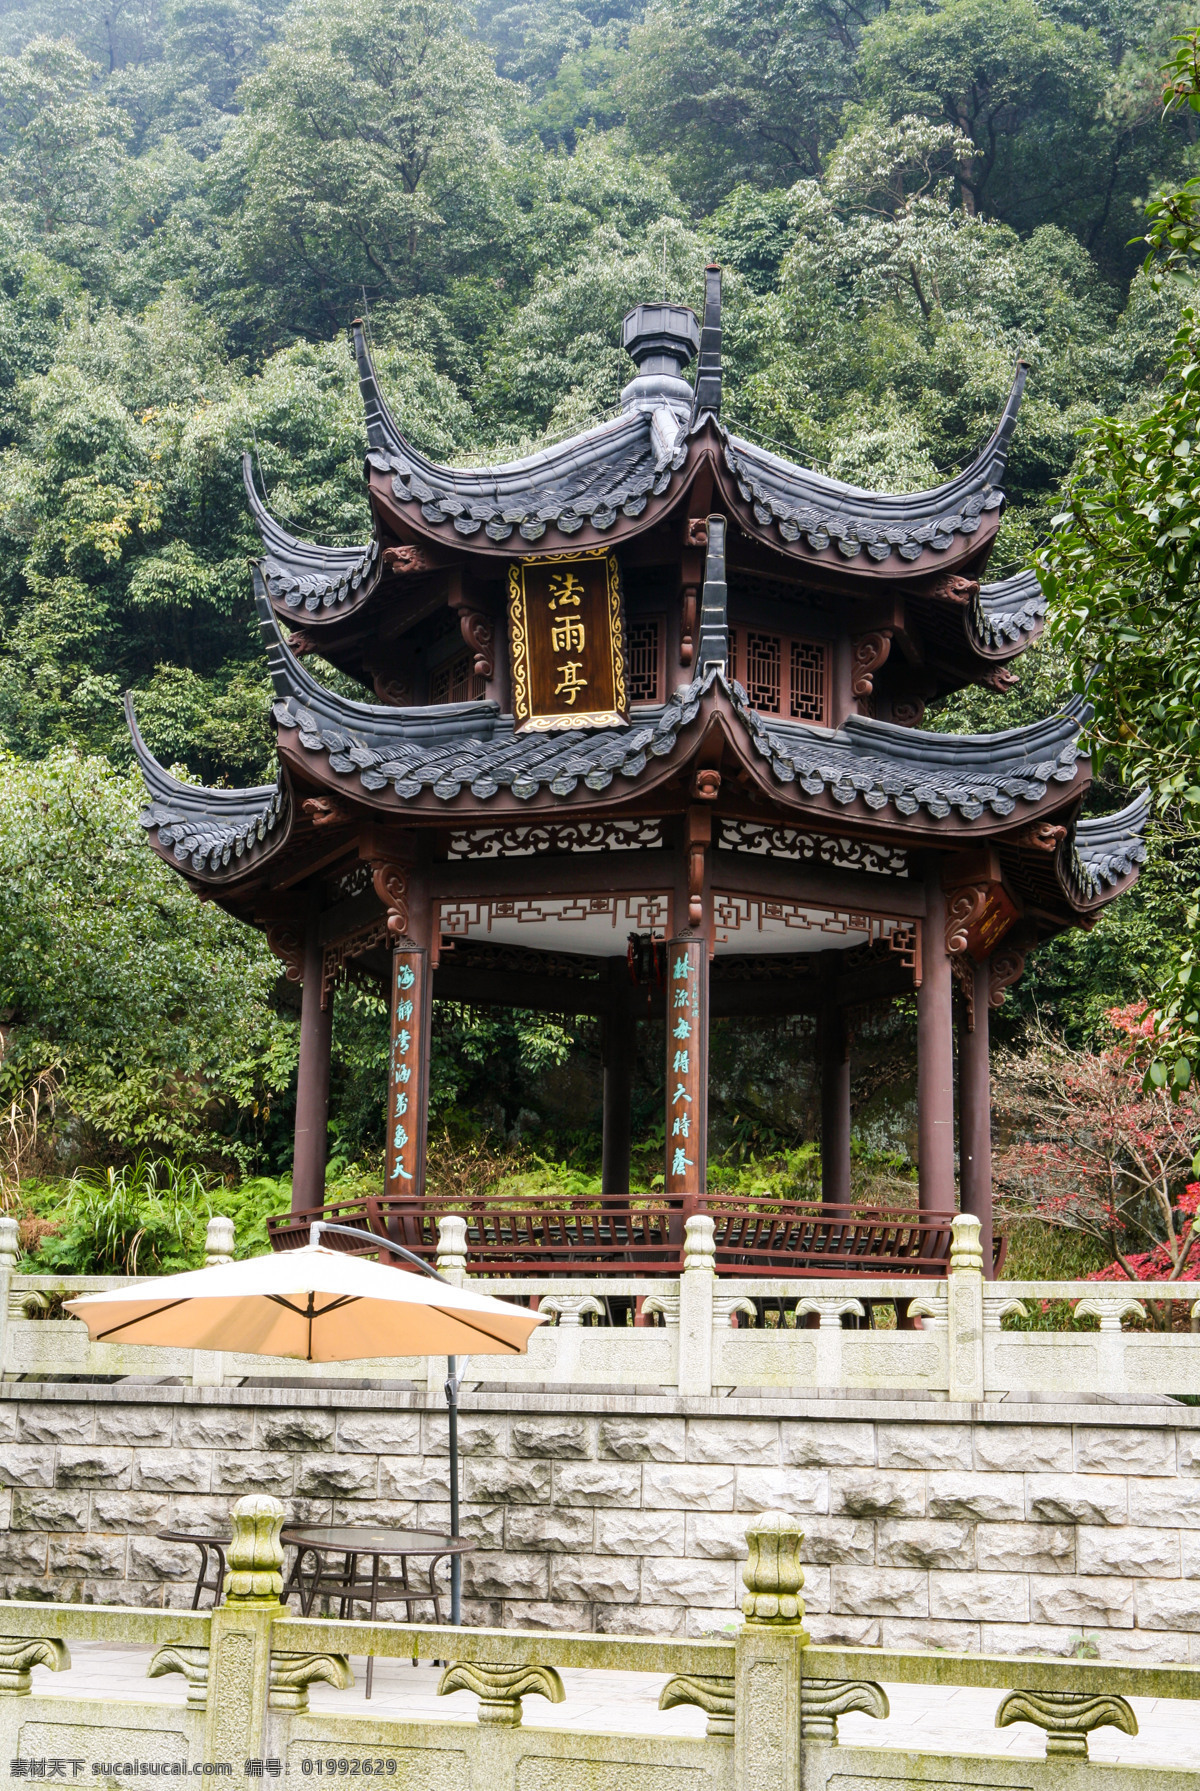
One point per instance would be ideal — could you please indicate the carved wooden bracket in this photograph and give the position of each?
(1006, 968)
(964, 906)
(697, 531)
(908, 713)
(286, 940)
(706, 785)
(391, 886)
(479, 632)
(1041, 836)
(1000, 679)
(301, 643)
(870, 652)
(407, 559)
(397, 691)
(326, 811)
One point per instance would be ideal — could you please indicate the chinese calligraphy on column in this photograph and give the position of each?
(687, 1067)
(566, 641)
(407, 1074)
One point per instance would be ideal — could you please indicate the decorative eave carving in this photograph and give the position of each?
(869, 654)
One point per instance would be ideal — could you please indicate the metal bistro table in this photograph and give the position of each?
(344, 1582)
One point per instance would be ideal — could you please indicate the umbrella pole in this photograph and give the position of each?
(452, 1424)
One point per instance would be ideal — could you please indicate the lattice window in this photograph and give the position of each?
(762, 678)
(757, 660)
(808, 681)
(641, 668)
(456, 681)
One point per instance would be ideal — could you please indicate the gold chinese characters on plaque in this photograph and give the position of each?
(566, 643)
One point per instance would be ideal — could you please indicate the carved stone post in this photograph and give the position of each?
(10, 1255)
(452, 1249)
(975, 1108)
(239, 1671)
(965, 1309)
(835, 1106)
(769, 1657)
(312, 1077)
(696, 1288)
(935, 1059)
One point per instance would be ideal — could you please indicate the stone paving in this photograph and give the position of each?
(924, 1718)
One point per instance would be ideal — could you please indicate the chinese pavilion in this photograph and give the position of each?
(641, 735)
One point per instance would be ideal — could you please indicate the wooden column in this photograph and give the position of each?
(618, 1043)
(834, 1040)
(409, 911)
(935, 1057)
(687, 1069)
(975, 1111)
(312, 1080)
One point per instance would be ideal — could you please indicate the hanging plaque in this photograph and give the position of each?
(566, 643)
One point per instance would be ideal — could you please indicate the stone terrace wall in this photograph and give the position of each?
(1014, 1529)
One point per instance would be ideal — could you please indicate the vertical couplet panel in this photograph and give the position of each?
(687, 1067)
(408, 1073)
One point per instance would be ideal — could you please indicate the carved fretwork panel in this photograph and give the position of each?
(785, 842)
(905, 940)
(641, 913)
(337, 956)
(565, 838)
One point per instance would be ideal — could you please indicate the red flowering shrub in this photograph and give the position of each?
(1084, 1144)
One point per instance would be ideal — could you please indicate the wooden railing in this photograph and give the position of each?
(628, 1234)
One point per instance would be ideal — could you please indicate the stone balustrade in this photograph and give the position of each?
(710, 1336)
(771, 1698)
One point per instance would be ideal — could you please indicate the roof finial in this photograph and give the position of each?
(707, 401)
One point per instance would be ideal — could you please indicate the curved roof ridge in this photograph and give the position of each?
(988, 464)
(1106, 850)
(920, 744)
(800, 501)
(386, 439)
(1010, 593)
(304, 702)
(208, 829)
(162, 784)
(303, 574)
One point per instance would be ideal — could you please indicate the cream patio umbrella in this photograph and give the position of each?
(318, 1305)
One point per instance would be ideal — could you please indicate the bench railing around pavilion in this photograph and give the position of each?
(700, 1334)
(624, 1234)
(234, 1698)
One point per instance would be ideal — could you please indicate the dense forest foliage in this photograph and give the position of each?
(195, 198)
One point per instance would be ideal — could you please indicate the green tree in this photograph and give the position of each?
(365, 161)
(742, 90)
(153, 1011)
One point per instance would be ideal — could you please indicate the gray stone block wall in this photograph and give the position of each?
(1016, 1530)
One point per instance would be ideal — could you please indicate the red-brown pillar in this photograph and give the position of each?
(412, 1011)
(618, 1044)
(975, 1113)
(935, 1057)
(687, 1070)
(835, 1105)
(312, 1080)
